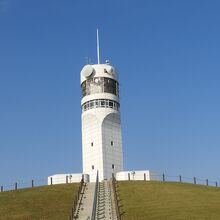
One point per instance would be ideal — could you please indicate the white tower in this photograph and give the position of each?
(101, 124)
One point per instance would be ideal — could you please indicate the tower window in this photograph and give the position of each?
(112, 143)
(91, 104)
(102, 103)
(92, 167)
(95, 85)
(113, 166)
(91, 144)
(111, 104)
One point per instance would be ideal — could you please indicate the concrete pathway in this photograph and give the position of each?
(85, 208)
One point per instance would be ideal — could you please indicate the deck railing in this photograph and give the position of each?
(116, 198)
(78, 197)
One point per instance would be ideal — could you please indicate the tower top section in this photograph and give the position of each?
(105, 70)
(98, 70)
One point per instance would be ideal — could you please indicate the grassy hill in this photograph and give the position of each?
(39, 203)
(138, 199)
(168, 201)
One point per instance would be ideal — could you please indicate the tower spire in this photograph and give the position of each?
(98, 52)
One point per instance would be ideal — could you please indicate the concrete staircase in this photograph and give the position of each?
(85, 203)
(105, 204)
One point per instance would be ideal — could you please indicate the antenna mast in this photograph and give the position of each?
(98, 52)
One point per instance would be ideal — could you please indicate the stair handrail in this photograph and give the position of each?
(95, 197)
(116, 198)
(77, 197)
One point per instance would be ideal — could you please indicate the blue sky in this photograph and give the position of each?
(167, 54)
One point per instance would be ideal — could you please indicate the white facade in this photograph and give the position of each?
(119, 176)
(101, 125)
(135, 175)
(67, 178)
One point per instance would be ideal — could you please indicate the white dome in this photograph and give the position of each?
(87, 71)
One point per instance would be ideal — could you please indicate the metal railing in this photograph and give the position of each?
(73, 212)
(95, 197)
(171, 178)
(23, 185)
(116, 199)
(183, 179)
(35, 182)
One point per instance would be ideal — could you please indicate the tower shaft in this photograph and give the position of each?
(101, 124)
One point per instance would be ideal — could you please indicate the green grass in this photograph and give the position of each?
(139, 199)
(40, 203)
(168, 201)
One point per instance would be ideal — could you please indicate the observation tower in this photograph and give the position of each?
(101, 123)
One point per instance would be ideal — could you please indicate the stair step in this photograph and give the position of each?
(105, 202)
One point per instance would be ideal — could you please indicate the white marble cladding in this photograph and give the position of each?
(134, 175)
(67, 178)
(120, 176)
(112, 145)
(102, 144)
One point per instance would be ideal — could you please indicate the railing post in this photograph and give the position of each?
(66, 179)
(129, 177)
(16, 186)
(144, 176)
(1, 188)
(51, 180)
(194, 180)
(163, 177)
(180, 178)
(207, 182)
(216, 184)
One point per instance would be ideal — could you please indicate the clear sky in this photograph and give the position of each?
(167, 54)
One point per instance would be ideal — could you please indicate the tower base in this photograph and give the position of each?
(119, 176)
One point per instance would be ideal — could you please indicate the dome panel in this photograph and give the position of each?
(87, 71)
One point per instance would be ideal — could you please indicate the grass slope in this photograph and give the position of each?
(40, 203)
(168, 201)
